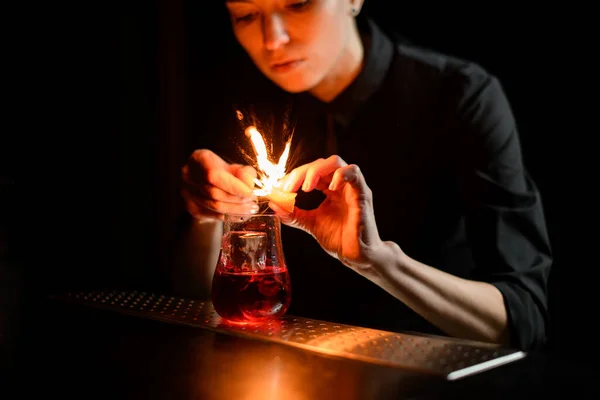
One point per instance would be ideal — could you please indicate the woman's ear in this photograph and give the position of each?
(355, 6)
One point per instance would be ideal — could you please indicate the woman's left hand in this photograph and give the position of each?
(344, 223)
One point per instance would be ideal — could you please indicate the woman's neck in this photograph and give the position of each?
(346, 69)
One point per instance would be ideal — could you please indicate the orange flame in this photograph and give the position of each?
(269, 173)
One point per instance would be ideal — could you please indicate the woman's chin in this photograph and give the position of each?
(293, 84)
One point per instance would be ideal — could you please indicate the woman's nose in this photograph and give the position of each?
(274, 32)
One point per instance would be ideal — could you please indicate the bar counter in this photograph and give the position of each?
(111, 344)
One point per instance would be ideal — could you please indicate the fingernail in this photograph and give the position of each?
(254, 209)
(331, 186)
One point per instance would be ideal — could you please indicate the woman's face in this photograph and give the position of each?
(295, 43)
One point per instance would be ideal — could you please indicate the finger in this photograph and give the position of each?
(197, 212)
(212, 192)
(353, 176)
(299, 219)
(323, 183)
(214, 206)
(312, 172)
(227, 208)
(206, 166)
(293, 181)
(245, 173)
(202, 215)
(311, 178)
(321, 169)
(224, 180)
(203, 160)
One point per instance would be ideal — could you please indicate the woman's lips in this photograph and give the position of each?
(286, 66)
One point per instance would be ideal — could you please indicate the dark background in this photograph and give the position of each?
(91, 175)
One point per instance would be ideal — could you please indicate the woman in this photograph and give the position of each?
(427, 216)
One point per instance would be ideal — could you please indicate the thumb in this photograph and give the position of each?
(299, 219)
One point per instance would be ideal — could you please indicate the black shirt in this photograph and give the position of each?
(435, 137)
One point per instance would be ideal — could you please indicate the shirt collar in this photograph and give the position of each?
(379, 51)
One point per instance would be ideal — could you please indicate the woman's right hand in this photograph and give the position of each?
(213, 187)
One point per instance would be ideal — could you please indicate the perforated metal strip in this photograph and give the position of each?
(449, 358)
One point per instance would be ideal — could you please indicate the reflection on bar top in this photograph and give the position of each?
(448, 358)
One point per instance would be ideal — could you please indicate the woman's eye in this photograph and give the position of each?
(299, 5)
(246, 18)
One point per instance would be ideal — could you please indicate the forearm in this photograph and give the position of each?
(459, 307)
(196, 258)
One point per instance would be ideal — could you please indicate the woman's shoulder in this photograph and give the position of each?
(459, 85)
(431, 65)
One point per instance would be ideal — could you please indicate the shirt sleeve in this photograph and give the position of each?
(504, 216)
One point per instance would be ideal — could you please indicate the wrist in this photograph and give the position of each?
(386, 257)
